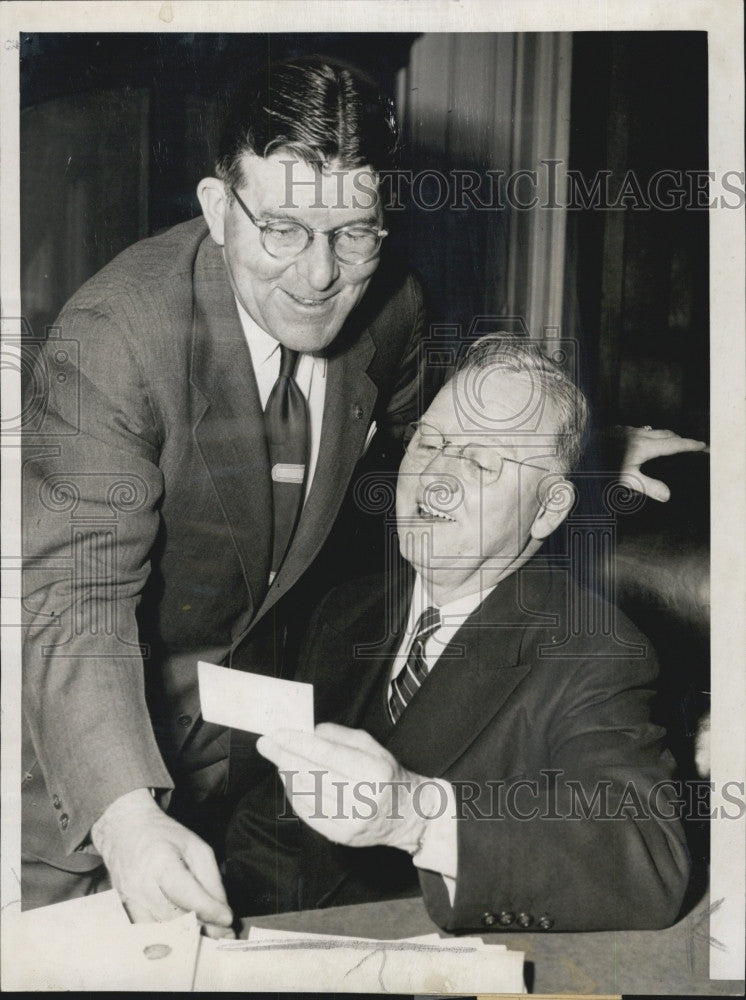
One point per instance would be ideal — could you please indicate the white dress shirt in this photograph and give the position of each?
(438, 850)
(310, 376)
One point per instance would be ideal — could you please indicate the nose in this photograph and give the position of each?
(440, 464)
(317, 265)
(440, 473)
(441, 489)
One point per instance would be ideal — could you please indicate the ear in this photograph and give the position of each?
(212, 198)
(558, 501)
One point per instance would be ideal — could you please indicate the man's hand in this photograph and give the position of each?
(641, 444)
(160, 868)
(347, 787)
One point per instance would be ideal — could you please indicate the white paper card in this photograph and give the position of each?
(253, 702)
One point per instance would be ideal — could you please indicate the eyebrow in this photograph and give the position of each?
(371, 220)
(453, 438)
(503, 448)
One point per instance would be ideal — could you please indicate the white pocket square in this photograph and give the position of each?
(369, 437)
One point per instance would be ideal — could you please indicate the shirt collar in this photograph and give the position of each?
(262, 345)
(450, 614)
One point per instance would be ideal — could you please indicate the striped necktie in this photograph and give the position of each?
(407, 682)
(286, 422)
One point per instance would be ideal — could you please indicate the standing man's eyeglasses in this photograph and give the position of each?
(286, 238)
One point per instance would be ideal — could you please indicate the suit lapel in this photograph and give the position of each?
(472, 679)
(228, 418)
(347, 663)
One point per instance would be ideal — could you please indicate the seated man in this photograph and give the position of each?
(484, 724)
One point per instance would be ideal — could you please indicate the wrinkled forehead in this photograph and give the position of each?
(496, 405)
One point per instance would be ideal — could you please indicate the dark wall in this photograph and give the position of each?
(186, 77)
(639, 106)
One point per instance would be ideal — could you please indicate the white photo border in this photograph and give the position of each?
(723, 21)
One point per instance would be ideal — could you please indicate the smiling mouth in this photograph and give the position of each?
(312, 303)
(426, 511)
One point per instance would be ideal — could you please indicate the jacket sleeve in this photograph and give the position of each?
(91, 489)
(590, 842)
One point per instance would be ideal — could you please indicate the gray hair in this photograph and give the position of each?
(514, 354)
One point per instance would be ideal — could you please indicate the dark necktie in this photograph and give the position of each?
(407, 682)
(286, 422)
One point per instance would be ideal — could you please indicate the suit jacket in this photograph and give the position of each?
(528, 716)
(147, 516)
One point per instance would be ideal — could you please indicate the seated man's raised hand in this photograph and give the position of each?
(643, 444)
(347, 787)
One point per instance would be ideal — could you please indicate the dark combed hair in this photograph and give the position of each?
(320, 109)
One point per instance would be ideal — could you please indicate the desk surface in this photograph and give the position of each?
(672, 961)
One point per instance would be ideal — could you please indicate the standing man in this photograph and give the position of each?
(230, 375)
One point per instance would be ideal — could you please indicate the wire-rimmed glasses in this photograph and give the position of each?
(480, 463)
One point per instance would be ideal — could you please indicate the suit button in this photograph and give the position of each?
(524, 919)
(64, 821)
(56, 802)
(545, 923)
(489, 919)
(357, 412)
(184, 721)
(505, 918)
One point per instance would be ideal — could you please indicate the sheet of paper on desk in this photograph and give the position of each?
(253, 702)
(265, 933)
(282, 962)
(89, 944)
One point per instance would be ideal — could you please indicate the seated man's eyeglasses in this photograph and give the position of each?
(480, 463)
(286, 238)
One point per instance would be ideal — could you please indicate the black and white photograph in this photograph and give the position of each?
(373, 497)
